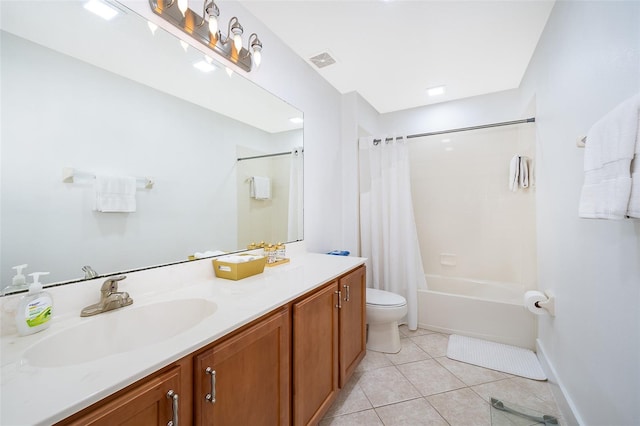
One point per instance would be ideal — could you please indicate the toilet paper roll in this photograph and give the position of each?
(532, 297)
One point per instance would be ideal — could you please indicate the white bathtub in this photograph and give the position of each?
(481, 309)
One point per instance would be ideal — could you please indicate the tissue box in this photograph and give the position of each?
(238, 271)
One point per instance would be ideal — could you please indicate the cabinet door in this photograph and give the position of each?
(245, 380)
(315, 355)
(352, 322)
(148, 404)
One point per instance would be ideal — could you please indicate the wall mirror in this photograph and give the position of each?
(83, 97)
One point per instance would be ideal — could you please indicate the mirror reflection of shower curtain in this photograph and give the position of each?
(295, 214)
(387, 225)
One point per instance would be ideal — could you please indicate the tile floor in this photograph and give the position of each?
(421, 386)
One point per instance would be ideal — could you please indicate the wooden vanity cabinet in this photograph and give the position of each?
(328, 343)
(245, 380)
(148, 402)
(284, 368)
(353, 337)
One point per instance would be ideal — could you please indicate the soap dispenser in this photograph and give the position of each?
(35, 308)
(18, 282)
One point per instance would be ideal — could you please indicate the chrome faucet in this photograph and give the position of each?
(110, 298)
(89, 272)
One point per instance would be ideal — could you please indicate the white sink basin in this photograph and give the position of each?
(118, 331)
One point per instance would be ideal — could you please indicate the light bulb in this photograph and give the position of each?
(213, 24)
(153, 27)
(183, 5)
(257, 57)
(237, 41)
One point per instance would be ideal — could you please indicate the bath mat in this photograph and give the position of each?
(495, 356)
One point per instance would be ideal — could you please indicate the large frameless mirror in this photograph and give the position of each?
(87, 101)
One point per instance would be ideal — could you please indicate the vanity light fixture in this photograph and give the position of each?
(101, 9)
(229, 46)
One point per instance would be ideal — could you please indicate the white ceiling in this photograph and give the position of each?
(391, 51)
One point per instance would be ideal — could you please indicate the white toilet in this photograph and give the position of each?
(384, 310)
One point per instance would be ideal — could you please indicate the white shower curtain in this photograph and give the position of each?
(295, 213)
(387, 225)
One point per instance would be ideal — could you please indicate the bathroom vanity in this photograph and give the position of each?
(270, 349)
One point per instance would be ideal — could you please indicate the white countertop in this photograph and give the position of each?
(37, 395)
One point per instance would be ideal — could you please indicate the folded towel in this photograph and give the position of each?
(524, 172)
(115, 194)
(633, 210)
(514, 173)
(260, 188)
(608, 153)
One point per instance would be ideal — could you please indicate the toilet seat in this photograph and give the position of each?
(381, 298)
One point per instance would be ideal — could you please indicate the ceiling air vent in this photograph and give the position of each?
(322, 60)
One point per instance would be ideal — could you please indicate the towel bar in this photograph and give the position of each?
(69, 173)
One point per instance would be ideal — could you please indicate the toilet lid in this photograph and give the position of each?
(384, 298)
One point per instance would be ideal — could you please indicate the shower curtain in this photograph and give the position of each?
(388, 234)
(295, 212)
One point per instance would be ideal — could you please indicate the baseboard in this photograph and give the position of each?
(565, 405)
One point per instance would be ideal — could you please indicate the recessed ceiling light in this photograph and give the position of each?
(435, 91)
(204, 66)
(101, 9)
(447, 140)
(296, 120)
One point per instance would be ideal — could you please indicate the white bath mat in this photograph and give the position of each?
(496, 356)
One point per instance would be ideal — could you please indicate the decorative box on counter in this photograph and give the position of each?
(239, 266)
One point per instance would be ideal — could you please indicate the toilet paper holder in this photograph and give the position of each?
(549, 304)
(540, 303)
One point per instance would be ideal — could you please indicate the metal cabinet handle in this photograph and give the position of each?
(339, 305)
(348, 292)
(174, 402)
(211, 397)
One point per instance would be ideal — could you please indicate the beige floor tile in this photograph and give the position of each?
(386, 386)
(351, 399)
(373, 360)
(434, 344)
(462, 407)
(404, 331)
(532, 394)
(429, 377)
(471, 374)
(410, 352)
(363, 418)
(410, 413)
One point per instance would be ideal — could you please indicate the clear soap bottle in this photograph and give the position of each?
(35, 308)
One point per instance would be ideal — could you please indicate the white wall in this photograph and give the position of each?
(587, 61)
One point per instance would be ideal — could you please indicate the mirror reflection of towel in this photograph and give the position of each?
(261, 188)
(115, 194)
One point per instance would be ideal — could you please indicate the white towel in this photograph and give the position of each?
(608, 153)
(115, 194)
(261, 187)
(633, 210)
(524, 172)
(514, 173)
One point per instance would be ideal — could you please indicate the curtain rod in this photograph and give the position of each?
(463, 129)
(266, 155)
